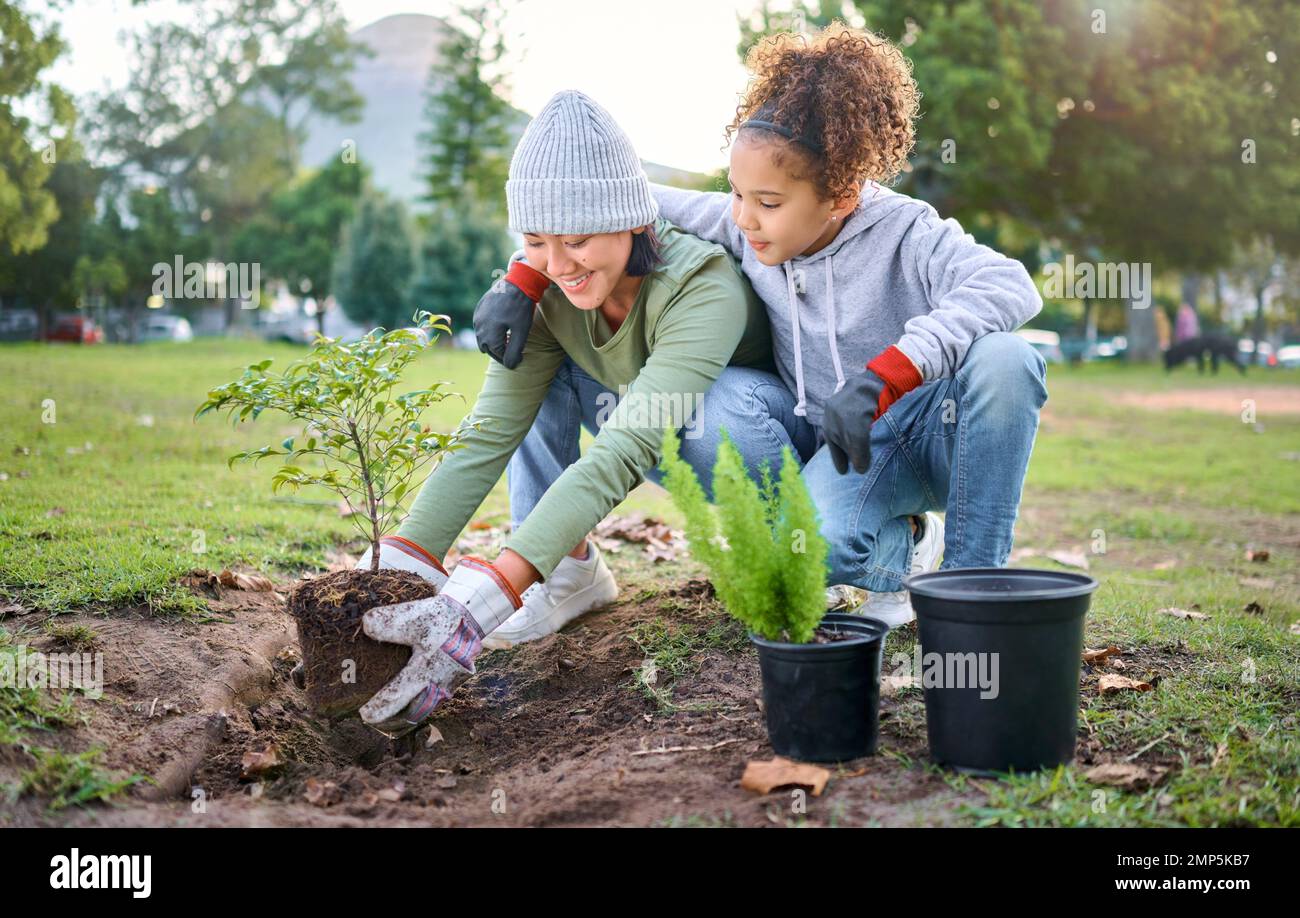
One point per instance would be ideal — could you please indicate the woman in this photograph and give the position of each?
(624, 299)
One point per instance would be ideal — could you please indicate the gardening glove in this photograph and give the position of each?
(850, 412)
(445, 634)
(397, 553)
(508, 307)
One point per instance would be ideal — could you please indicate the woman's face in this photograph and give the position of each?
(780, 215)
(587, 267)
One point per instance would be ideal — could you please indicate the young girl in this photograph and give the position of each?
(900, 384)
(635, 305)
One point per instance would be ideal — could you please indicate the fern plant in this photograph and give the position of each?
(762, 543)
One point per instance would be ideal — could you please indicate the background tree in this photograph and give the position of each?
(296, 238)
(43, 279)
(376, 263)
(29, 143)
(469, 122)
(462, 244)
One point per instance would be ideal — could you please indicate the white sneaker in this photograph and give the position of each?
(573, 588)
(895, 608)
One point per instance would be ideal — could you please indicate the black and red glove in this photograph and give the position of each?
(504, 315)
(849, 413)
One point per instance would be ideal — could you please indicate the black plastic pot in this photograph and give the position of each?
(823, 700)
(1025, 716)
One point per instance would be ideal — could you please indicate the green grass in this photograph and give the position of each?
(71, 779)
(675, 647)
(117, 523)
(1177, 497)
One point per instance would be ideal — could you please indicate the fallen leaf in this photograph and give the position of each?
(204, 580)
(892, 685)
(1258, 555)
(764, 777)
(435, 737)
(844, 598)
(256, 762)
(321, 793)
(1110, 683)
(1220, 752)
(1182, 613)
(1126, 774)
(1099, 656)
(255, 582)
(1075, 558)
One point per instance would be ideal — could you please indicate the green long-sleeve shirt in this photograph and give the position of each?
(692, 317)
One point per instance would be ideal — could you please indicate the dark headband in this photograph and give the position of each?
(785, 132)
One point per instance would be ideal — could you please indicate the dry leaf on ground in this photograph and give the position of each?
(1126, 775)
(1110, 683)
(1099, 656)
(1183, 613)
(764, 777)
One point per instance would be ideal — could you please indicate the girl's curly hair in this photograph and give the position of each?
(847, 91)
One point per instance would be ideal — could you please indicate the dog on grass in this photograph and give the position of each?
(1197, 348)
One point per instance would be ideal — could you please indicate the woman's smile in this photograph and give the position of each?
(576, 284)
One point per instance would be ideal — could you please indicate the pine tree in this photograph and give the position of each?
(771, 572)
(469, 122)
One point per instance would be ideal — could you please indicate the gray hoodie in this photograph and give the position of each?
(895, 274)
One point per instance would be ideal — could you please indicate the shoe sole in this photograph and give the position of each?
(495, 641)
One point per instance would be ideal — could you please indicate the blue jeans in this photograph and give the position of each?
(960, 444)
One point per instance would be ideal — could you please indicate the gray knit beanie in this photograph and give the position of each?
(575, 171)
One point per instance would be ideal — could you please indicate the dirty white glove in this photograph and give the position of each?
(397, 553)
(445, 634)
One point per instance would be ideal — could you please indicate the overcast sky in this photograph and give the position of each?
(630, 55)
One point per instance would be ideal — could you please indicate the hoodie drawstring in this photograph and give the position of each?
(830, 326)
(799, 407)
(801, 402)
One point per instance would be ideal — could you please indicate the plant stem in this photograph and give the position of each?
(372, 512)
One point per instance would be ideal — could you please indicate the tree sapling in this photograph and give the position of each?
(369, 444)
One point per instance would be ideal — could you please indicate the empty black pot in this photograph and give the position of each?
(823, 700)
(1001, 650)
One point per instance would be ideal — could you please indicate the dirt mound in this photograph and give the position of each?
(644, 713)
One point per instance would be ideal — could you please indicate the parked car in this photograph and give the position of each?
(1047, 343)
(1112, 349)
(166, 328)
(76, 329)
(19, 325)
(1289, 356)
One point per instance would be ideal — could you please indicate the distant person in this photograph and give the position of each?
(1186, 323)
(1163, 331)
